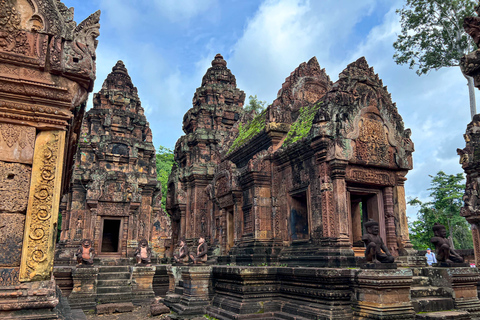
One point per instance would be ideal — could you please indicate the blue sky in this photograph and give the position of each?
(167, 45)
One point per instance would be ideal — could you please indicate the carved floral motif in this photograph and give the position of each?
(37, 254)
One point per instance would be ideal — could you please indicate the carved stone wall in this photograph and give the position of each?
(43, 93)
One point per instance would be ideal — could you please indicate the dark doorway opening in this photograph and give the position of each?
(111, 235)
(299, 216)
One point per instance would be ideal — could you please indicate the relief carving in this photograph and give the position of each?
(14, 181)
(42, 211)
(112, 209)
(370, 176)
(372, 143)
(16, 143)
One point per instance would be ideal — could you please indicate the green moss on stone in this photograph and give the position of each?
(300, 128)
(248, 131)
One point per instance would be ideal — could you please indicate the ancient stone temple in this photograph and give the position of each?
(47, 69)
(114, 196)
(302, 176)
(304, 184)
(217, 105)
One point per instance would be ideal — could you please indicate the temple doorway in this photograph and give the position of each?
(299, 216)
(365, 203)
(111, 235)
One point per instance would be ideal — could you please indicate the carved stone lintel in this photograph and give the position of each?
(43, 203)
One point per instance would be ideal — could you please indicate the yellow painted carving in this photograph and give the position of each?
(42, 211)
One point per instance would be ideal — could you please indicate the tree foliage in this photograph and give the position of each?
(165, 161)
(444, 208)
(433, 37)
(255, 104)
(432, 34)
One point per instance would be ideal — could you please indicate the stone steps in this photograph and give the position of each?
(432, 304)
(420, 281)
(114, 289)
(287, 316)
(113, 275)
(114, 297)
(428, 291)
(444, 315)
(113, 283)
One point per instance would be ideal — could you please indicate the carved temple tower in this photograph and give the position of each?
(217, 105)
(114, 197)
(47, 69)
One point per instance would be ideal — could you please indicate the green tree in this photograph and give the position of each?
(432, 36)
(165, 161)
(255, 104)
(446, 193)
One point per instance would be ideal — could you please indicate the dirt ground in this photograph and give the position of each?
(139, 313)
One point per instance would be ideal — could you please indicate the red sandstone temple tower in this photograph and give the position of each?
(217, 104)
(114, 197)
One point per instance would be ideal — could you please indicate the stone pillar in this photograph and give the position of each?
(84, 291)
(142, 281)
(338, 168)
(42, 212)
(383, 294)
(476, 242)
(390, 221)
(197, 291)
(400, 211)
(174, 279)
(463, 282)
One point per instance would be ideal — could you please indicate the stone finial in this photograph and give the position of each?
(219, 61)
(120, 67)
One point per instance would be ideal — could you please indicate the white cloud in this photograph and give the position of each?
(177, 11)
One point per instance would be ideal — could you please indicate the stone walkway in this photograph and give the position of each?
(139, 313)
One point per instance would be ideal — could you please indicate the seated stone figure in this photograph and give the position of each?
(374, 244)
(85, 253)
(201, 256)
(442, 247)
(182, 255)
(143, 253)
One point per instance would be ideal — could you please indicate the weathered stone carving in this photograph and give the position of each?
(201, 255)
(374, 244)
(43, 203)
(182, 255)
(444, 252)
(143, 253)
(85, 253)
(14, 181)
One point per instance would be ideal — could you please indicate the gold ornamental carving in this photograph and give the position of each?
(42, 211)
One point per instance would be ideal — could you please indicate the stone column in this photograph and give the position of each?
(383, 294)
(337, 168)
(142, 280)
(42, 211)
(390, 221)
(400, 211)
(476, 242)
(197, 291)
(84, 291)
